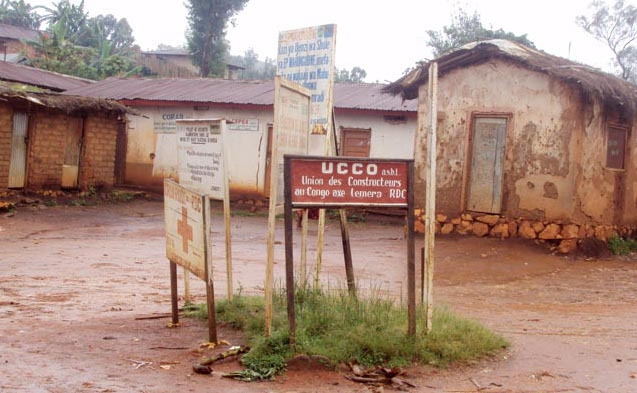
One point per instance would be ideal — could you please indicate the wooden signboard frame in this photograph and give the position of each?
(280, 139)
(224, 195)
(332, 202)
(185, 231)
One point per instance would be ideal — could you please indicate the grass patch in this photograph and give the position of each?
(369, 331)
(621, 246)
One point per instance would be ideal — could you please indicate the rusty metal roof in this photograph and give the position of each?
(18, 33)
(40, 78)
(363, 96)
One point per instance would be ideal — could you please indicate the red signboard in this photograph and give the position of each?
(341, 181)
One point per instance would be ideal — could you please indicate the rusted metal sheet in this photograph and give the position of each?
(363, 96)
(184, 222)
(37, 77)
(324, 181)
(73, 147)
(616, 148)
(18, 164)
(356, 143)
(485, 187)
(18, 33)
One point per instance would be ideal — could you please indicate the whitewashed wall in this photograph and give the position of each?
(151, 153)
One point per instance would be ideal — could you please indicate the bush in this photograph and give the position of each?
(620, 246)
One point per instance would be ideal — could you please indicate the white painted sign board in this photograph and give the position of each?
(200, 155)
(185, 223)
(306, 56)
(291, 126)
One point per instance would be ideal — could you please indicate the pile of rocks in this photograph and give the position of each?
(564, 234)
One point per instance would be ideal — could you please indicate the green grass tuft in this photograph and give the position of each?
(370, 331)
(620, 246)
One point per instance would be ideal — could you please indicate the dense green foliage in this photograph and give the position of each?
(616, 26)
(206, 35)
(621, 246)
(370, 331)
(466, 28)
(19, 13)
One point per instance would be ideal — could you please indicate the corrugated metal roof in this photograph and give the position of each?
(41, 78)
(18, 33)
(365, 96)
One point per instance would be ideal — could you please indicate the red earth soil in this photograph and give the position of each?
(74, 280)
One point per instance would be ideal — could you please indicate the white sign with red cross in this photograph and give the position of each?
(185, 223)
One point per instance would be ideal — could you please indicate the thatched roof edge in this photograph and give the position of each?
(65, 103)
(612, 90)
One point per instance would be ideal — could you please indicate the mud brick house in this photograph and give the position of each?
(368, 122)
(529, 143)
(53, 141)
(13, 41)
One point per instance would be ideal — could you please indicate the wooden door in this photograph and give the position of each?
(355, 142)
(268, 162)
(18, 163)
(487, 160)
(73, 147)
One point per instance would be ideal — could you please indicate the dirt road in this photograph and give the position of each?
(74, 280)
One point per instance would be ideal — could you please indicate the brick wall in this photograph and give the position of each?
(6, 131)
(98, 159)
(47, 139)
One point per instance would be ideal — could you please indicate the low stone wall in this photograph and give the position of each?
(564, 234)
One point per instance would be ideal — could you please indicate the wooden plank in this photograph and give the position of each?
(430, 196)
(411, 254)
(289, 254)
(487, 158)
(226, 213)
(174, 301)
(209, 277)
(186, 286)
(347, 253)
(18, 161)
(304, 248)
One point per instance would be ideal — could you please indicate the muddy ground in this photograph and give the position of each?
(75, 280)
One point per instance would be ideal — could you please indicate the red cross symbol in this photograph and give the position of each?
(184, 229)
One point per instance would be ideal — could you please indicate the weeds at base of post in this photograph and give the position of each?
(368, 330)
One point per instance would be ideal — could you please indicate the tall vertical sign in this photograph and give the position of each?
(306, 56)
(291, 128)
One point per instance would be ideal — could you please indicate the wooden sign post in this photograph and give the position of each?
(203, 167)
(185, 215)
(291, 130)
(344, 182)
(430, 198)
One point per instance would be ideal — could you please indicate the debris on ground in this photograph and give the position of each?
(251, 375)
(234, 351)
(379, 376)
(140, 363)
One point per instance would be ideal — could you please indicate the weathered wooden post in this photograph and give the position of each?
(430, 196)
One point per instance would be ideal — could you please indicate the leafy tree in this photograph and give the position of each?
(71, 18)
(616, 26)
(117, 32)
(467, 28)
(356, 75)
(93, 48)
(206, 35)
(19, 13)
